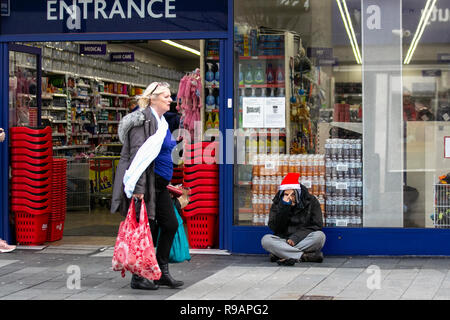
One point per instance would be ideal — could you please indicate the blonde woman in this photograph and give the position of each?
(147, 145)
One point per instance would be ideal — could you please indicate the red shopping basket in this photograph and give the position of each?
(200, 175)
(55, 230)
(38, 132)
(31, 160)
(31, 229)
(201, 182)
(31, 138)
(201, 230)
(200, 167)
(35, 153)
(37, 146)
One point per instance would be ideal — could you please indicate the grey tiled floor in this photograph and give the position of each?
(43, 275)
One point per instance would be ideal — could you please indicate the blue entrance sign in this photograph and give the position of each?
(119, 16)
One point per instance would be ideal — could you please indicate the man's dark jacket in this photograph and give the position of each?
(295, 222)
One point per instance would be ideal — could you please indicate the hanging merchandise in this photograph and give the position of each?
(291, 70)
(188, 100)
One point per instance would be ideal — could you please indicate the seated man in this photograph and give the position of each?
(296, 220)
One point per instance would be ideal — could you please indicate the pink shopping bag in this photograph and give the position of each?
(134, 250)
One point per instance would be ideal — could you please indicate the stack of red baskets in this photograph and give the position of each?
(202, 178)
(31, 183)
(59, 193)
(177, 177)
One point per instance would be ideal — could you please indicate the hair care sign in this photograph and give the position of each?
(113, 16)
(122, 56)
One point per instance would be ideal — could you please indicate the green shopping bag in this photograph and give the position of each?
(180, 246)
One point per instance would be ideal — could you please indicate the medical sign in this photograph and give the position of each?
(92, 48)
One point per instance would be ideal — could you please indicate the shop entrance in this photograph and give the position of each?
(81, 90)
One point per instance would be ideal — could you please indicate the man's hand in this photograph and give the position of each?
(2, 135)
(289, 197)
(290, 242)
(139, 196)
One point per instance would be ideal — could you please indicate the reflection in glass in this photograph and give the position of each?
(299, 96)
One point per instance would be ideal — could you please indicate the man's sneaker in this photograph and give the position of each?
(312, 257)
(4, 247)
(273, 258)
(287, 262)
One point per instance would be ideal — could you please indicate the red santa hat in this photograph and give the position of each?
(290, 181)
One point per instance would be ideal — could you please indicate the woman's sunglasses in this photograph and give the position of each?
(162, 84)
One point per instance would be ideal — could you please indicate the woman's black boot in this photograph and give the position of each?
(166, 279)
(142, 283)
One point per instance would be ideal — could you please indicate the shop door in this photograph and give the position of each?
(24, 86)
(23, 99)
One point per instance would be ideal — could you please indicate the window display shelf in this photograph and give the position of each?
(272, 57)
(263, 118)
(352, 126)
(72, 147)
(267, 85)
(114, 94)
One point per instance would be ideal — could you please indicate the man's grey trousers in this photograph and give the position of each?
(280, 248)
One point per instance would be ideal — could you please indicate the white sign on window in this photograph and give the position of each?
(274, 113)
(263, 112)
(446, 147)
(253, 112)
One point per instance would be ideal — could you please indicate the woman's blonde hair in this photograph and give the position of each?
(154, 89)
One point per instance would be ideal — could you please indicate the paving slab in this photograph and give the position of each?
(30, 274)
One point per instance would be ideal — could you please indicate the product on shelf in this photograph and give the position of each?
(344, 191)
(268, 171)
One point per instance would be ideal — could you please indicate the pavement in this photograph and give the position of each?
(81, 272)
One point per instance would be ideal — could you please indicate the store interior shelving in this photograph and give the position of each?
(84, 97)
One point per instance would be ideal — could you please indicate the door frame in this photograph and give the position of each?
(226, 81)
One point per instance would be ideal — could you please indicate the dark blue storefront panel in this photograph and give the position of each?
(359, 241)
(4, 83)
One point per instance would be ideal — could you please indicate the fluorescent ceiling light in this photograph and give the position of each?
(349, 28)
(180, 46)
(420, 29)
(352, 31)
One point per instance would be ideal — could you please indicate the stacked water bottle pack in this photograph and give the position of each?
(344, 187)
(31, 183)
